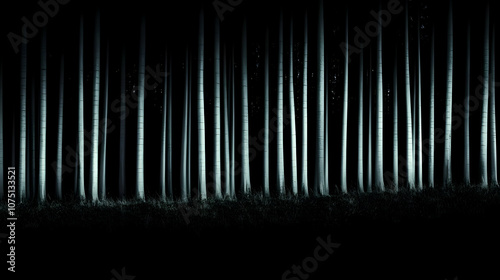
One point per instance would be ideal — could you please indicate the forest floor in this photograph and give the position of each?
(432, 234)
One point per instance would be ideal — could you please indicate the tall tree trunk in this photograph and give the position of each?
(233, 131)
(484, 114)
(94, 148)
(466, 111)
(43, 118)
(140, 112)
(292, 117)
(1, 133)
(31, 177)
(343, 164)
(360, 123)
(431, 117)
(379, 163)
(492, 111)
(169, 132)
(189, 123)
(327, 129)
(184, 187)
(60, 131)
(319, 183)
(409, 130)
(395, 139)
(449, 96)
(266, 116)
(419, 112)
(217, 129)
(202, 185)
(370, 124)
(102, 164)
(280, 139)
(227, 190)
(163, 149)
(81, 167)
(22, 145)
(123, 116)
(305, 180)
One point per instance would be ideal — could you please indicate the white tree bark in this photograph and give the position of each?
(266, 116)
(123, 115)
(140, 112)
(360, 123)
(183, 179)
(202, 185)
(280, 138)
(43, 119)
(169, 132)
(292, 117)
(81, 167)
(227, 188)
(104, 131)
(492, 111)
(379, 162)
(484, 114)
(409, 130)
(60, 131)
(395, 139)
(449, 97)
(466, 111)
(94, 148)
(431, 117)
(419, 112)
(343, 164)
(305, 180)
(163, 149)
(217, 128)
(319, 183)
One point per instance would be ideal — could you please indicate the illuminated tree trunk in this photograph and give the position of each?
(123, 116)
(466, 112)
(484, 114)
(369, 168)
(233, 131)
(140, 112)
(281, 156)
(327, 130)
(343, 171)
(163, 149)
(266, 116)
(395, 139)
(305, 180)
(431, 117)
(419, 112)
(81, 167)
(227, 188)
(360, 124)
(102, 164)
(183, 179)
(217, 129)
(379, 162)
(169, 133)
(43, 119)
(60, 132)
(409, 132)
(202, 185)
(319, 183)
(492, 111)
(189, 123)
(292, 117)
(449, 95)
(94, 148)
(245, 158)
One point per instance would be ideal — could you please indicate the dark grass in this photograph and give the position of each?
(432, 234)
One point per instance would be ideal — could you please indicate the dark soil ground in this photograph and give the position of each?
(433, 234)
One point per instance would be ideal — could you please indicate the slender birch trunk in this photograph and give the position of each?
(409, 130)
(369, 168)
(227, 190)
(419, 112)
(60, 131)
(395, 139)
(379, 163)
(104, 131)
(360, 123)
(202, 185)
(43, 119)
(343, 164)
(266, 116)
(449, 97)
(140, 112)
(280, 138)
(305, 180)
(467, 111)
(492, 111)
(170, 192)
(123, 127)
(183, 179)
(163, 148)
(292, 117)
(94, 148)
(431, 117)
(217, 128)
